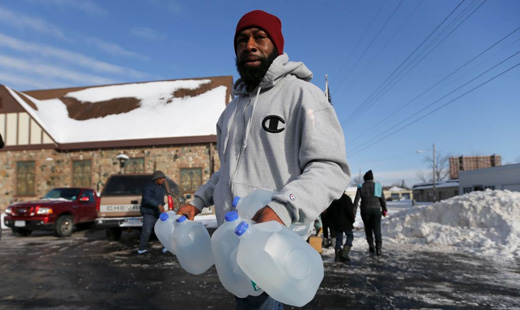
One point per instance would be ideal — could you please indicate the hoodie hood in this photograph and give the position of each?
(280, 67)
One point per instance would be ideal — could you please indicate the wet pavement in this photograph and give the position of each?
(86, 271)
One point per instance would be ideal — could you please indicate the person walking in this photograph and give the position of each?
(152, 205)
(343, 215)
(278, 133)
(373, 205)
(328, 234)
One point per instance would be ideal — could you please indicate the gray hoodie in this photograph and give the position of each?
(283, 136)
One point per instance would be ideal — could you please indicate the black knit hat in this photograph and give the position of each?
(368, 176)
(158, 175)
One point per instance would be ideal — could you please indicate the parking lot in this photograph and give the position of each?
(86, 271)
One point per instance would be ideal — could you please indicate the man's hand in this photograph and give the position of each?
(161, 208)
(266, 214)
(189, 210)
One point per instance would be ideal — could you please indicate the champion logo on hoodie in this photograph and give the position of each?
(273, 124)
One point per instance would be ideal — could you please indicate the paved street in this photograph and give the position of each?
(88, 272)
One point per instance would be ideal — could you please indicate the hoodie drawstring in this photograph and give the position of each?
(248, 126)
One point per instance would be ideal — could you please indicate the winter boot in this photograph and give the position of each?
(378, 248)
(371, 245)
(338, 258)
(344, 253)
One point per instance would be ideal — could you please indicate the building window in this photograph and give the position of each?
(81, 173)
(25, 178)
(191, 179)
(135, 165)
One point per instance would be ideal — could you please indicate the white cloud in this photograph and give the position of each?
(23, 82)
(113, 49)
(88, 7)
(68, 56)
(147, 33)
(171, 5)
(18, 20)
(50, 71)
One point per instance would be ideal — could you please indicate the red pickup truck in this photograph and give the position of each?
(59, 210)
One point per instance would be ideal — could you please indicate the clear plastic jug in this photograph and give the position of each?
(192, 246)
(247, 207)
(224, 245)
(164, 228)
(280, 262)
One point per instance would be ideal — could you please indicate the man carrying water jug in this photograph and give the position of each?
(279, 133)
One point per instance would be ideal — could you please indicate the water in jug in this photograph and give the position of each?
(164, 228)
(279, 261)
(192, 246)
(224, 245)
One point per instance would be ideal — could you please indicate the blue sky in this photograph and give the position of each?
(404, 75)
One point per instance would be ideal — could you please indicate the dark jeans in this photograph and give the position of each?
(339, 238)
(261, 302)
(372, 220)
(147, 229)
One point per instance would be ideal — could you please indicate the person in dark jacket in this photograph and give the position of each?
(1, 142)
(152, 205)
(373, 205)
(342, 213)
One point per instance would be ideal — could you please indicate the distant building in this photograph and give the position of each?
(74, 136)
(424, 192)
(506, 177)
(390, 192)
(467, 163)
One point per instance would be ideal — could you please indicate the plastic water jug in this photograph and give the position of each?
(192, 245)
(279, 261)
(224, 245)
(247, 207)
(164, 227)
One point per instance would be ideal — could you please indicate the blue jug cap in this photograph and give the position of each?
(181, 219)
(235, 202)
(231, 216)
(241, 228)
(164, 216)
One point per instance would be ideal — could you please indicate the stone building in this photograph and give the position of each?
(73, 136)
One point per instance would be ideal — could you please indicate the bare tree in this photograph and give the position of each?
(441, 168)
(356, 180)
(401, 184)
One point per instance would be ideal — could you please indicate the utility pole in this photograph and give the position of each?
(434, 173)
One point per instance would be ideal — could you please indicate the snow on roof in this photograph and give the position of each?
(485, 223)
(157, 114)
(396, 189)
(449, 183)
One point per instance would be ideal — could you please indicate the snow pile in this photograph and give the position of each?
(485, 223)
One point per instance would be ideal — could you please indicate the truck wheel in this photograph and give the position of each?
(21, 232)
(64, 226)
(113, 234)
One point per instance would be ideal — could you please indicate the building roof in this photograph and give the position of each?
(443, 184)
(147, 113)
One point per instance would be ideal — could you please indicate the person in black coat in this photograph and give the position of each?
(343, 215)
(373, 205)
(152, 205)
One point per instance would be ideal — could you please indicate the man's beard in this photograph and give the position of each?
(253, 75)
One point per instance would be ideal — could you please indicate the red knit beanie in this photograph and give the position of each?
(267, 22)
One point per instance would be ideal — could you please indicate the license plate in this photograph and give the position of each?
(132, 222)
(19, 223)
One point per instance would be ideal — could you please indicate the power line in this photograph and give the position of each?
(357, 111)
(386, 118)
(435, 110)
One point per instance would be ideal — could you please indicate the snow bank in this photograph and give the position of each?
(484, 223)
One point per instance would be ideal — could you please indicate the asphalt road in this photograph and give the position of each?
(86, 271)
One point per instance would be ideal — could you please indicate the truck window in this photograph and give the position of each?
(126, 185)
(65, 193)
